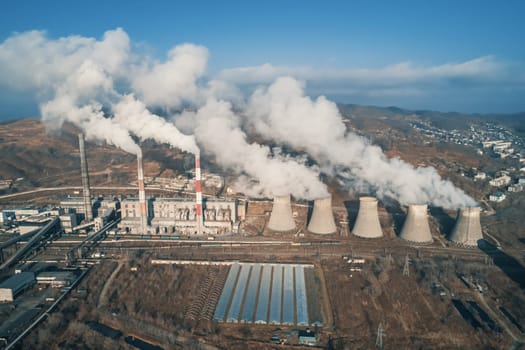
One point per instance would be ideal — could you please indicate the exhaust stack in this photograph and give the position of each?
(86, 191)
(467, 231)
(416, 228)
(281, 218)
(322, 220)
(142, 194)
(367, 223)
(198, 194)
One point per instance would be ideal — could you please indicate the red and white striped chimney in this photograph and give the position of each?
(142, 194)
(198, 193)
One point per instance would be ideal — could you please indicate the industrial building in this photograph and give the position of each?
(265, 294)
(500, 181)
(15, 284)
(56, 279)
(175, 215)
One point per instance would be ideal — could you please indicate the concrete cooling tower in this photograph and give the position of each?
(367, 222)
(467, 231)
(416, 228)
(281, 219)
(322, 221)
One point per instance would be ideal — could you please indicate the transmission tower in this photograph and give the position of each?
(380, 335)
(406, 270)
(389, 259)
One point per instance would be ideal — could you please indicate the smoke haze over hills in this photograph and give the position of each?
(109, 91)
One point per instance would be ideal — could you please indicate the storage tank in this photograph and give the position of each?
(281, 218)
(416, 228)
(367, 223)
(322, 220)
(467, 231)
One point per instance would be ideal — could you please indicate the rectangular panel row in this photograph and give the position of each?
(224, 300)
(251, 295)
(261, 315)
(235, 308)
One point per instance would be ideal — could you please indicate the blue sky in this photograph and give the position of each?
(321, 38)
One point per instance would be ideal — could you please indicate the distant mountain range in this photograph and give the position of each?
(443, 120)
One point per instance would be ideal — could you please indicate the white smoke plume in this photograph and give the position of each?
(282, 112)
(77, 78)
(218, 131)
(169, 84)
(134, 116)
(80, 80)
(77, 99)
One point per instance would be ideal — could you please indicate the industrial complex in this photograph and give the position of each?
(253, 263)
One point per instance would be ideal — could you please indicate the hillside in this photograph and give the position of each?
(41, 158)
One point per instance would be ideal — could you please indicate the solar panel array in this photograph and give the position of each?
(264, 293)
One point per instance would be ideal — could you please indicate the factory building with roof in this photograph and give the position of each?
(15, 284)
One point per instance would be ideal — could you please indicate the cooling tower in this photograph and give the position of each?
(322, 220)
(281, 219)
(142, 194)
(367, 222)
(86, 191)
(198, 194)
(467, 231)
(416, 229)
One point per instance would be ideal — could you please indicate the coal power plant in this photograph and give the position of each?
(143, 215)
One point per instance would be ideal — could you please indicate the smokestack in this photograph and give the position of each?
(367, 223)
(467, 231)
(281, 219)
(416, 228)
(198, 193)
(86, 191)
(142, 194)
(322, 220)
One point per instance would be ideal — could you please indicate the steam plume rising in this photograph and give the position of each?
(282, 112)
(134, 115)
(80, 80)
(218, 131)
(90, 119)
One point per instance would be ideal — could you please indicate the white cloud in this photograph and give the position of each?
(168, 84)
(401, 79)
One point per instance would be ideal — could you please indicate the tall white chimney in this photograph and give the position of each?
(142, 194)
(198, 194)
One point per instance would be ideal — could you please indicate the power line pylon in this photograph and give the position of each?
(406, 269)
(380, 335)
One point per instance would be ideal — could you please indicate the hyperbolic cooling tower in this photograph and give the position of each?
(322, 220)
(86, 192)
(367, 222)
(467, 231)
(281, 219)
(416, 228)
